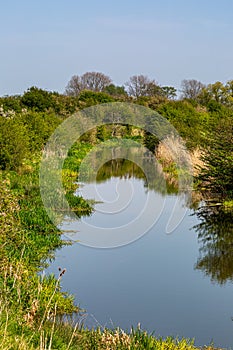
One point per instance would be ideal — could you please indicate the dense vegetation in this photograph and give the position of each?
(31, 304)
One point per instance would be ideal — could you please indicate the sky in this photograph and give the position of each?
(44, 43)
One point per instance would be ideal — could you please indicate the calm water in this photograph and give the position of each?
(176, 284)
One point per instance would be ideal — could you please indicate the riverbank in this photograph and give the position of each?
(32, 306)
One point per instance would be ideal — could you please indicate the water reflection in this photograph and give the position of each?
(127, 169)
(215, 234)
(215, 228)
(129, 195)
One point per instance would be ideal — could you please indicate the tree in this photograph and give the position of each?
(153, 89)
(216, 176)
(217, 92)
(115, 91)
(141, 85)
(90, 98)
(169, 92)
(93, 81)
(74, 86)
(38, 99)
(191, 88)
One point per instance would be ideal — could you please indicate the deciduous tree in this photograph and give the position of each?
(191, 88)
(141, 85)
(217, 92)
(93, 81)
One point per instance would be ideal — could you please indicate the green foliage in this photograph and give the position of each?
(102, 132)
(215, 107)
(64, 106)
(90, 98)
(39, 128)
(217, 174)
(76, 154)
(152, 102)
(20, 238)
(11, 103)
(37, 99)
(217, 92)
(169, 92)
(11, 232)
(116, 91)
(14, 143)
(189, 121)
(150, 141)
(22, 134)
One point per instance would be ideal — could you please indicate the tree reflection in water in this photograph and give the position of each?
(124, 168)
(215, 234)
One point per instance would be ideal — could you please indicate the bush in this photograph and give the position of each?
(14, 143)
(190, 122)
(37, 99)
(90, 98)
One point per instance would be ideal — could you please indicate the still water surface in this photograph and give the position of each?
(167, 282)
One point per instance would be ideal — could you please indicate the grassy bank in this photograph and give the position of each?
(32, 306)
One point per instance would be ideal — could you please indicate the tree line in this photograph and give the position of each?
(202, 115)
(141, 85)
(138, 85)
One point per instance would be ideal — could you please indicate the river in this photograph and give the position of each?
(174, 281)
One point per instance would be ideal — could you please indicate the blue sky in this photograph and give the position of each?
(43, 43)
